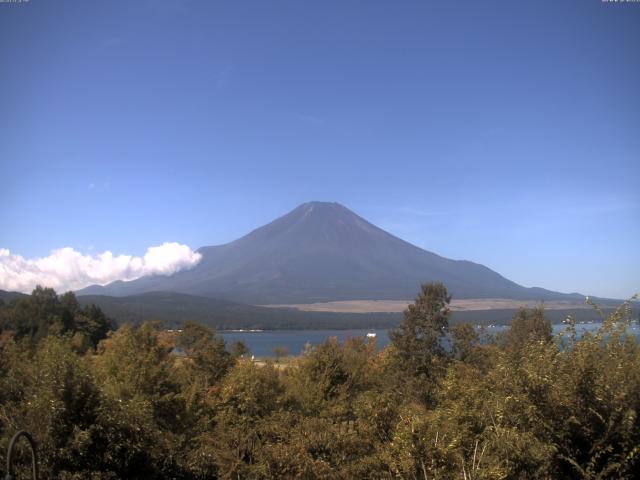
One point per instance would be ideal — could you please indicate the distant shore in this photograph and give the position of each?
(397, 306)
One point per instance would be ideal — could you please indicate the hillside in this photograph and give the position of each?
(174, 308)
(8, 296)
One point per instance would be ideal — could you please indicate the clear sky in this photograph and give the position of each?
(503, 132)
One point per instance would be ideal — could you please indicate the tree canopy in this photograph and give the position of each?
(143, 402)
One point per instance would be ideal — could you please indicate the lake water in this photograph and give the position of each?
(261, 343)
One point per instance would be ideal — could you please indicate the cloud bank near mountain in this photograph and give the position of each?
(67, 269)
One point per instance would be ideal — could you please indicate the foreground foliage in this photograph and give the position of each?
(120, 404)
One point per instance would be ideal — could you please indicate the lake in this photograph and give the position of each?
(261, 343)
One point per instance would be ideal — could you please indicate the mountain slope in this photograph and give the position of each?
(322, 252)
(9, 296)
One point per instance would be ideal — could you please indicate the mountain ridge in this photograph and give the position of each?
(322, 251)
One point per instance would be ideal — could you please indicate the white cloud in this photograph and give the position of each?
(67, 269)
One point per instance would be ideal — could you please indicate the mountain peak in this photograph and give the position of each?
(322, 251)
(321, 207)
(318, 222)
(319, 204)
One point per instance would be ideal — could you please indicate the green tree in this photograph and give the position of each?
(143, 419)
(44, 312)
(134, 366)
(248, 395)
(419, 357)
(206, 352)
(37, 315)
(527, 326)
(93, 323)
(464, 341)
(239, 349)
(59, 408)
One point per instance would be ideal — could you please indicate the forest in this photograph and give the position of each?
(106, 402)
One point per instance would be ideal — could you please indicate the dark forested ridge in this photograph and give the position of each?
(174, 308)
(323, 252)
(107, 404)
(8, 296)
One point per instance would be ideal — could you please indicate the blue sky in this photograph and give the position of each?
(507, 133)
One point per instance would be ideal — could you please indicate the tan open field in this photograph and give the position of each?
(373, 306)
